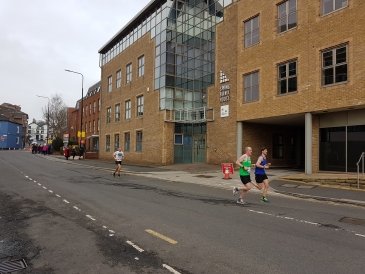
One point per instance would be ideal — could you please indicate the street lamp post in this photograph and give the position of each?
(82, 99)
(47, 114)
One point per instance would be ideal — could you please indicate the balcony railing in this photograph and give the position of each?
(198, 115)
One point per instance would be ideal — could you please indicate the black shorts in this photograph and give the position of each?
(245, 179)
(260, 178)
(118, 162)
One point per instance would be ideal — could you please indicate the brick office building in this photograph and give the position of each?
(221, 75)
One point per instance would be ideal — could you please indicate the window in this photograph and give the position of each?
(139, 137)
(140, 105)
(90, 129)
(94, 108)
(108, 114)
(141, 66)
(334, 65)
(252, 31)
(329, 6)
(110, 85)
(178, 139)
(94, 126)
(278, 147)
(117, 112)
(128, 73)
(251, 87)
(86, 111)
(107, 143)
(287, 15)
(118, 81)
(98, 125)
(116, 141)
(128, 109)
(287, 77)
(90, 109)
(99, 105)
(127, 141)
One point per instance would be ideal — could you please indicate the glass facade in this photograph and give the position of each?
(340, 147)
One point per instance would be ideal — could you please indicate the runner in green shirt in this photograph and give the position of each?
(245, 168)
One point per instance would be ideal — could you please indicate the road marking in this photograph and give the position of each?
(67, 202)
(360, 235)
(26, 176)
(135, 246)
(30, 179)
(169, 268)
(162, 237)
(111, 231)
(58, 196)
(90, 217)
(34, 181)
(44, 187)
(105, 227)
(39, 184)
(50, 191)
(75, 207)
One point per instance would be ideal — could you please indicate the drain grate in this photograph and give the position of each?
(11, 266)
(204, 176)
(352, 221)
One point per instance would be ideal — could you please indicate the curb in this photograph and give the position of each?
(323, 199)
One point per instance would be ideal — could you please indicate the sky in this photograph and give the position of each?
(41, 38)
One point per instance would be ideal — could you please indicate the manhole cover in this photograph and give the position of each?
(204, 176)
(289, 185)
(11, 266)
(353, 221)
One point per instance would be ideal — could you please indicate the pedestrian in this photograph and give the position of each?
(66, 152)
(44, 149)
(245, 165)
(73, 152)
(82, 152)
(260, 174)
(118, 157)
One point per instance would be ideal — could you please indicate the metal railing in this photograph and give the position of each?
(361, 159)
(197, 115)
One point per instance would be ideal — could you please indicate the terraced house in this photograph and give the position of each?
(196, 81)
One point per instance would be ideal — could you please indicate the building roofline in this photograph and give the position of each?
(131, 24)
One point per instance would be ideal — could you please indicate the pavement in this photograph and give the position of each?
(211, 175)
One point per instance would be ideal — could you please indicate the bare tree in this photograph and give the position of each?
(57, 116)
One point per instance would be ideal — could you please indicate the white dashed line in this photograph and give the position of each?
(58, 196)
(169, 268)
(105, 227)
(360, 235)
(111, 231)
(75, 207)
(34, 181)
(50, 191)
(26, 176)
(39, 184)
(135, 246)
(44, 187)
(136, 258)
(67, 202)
(111, 235)
(90, 217)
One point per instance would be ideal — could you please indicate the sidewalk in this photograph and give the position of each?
(211, 175)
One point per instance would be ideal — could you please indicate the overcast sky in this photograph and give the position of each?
(39, 39)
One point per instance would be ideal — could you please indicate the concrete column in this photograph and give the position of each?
(239, 139)
(308, 143)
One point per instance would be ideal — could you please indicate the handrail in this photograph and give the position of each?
(361, 159)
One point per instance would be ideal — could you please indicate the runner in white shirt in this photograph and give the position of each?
(118, 157)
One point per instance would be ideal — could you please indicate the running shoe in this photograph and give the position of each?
(114, 174)
(264, 199)
(241, 202)
(235, 190)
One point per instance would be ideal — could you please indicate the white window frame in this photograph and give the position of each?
(128, 109)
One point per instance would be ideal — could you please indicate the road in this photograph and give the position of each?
(67, 218)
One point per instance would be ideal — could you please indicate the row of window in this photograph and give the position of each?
(127, 141)
(127, 110)
(334, 71)
(128, 74)
(286, 18)
(92, 127)
(91, 108)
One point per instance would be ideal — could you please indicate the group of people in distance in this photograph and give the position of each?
(262, 182)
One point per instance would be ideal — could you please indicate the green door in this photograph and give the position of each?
(199, 149)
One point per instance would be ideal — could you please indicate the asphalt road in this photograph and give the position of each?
(66, 218)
